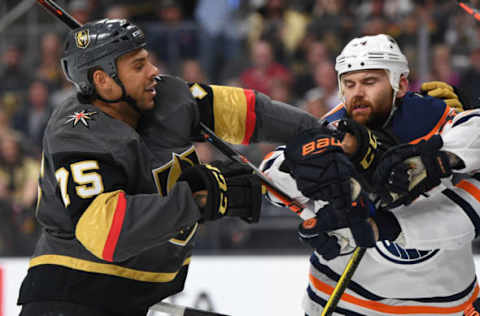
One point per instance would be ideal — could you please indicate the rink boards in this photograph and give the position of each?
(234, 285)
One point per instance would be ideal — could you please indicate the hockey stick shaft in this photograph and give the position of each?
(473, 12)
(176, 310)
(60, 13)
(357, 255)
(210, 136)
(293, 205)
(234, 155)
(343, 281)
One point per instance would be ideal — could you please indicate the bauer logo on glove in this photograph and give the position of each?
(320, 145)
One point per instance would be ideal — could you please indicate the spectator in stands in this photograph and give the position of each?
(80, 10)
(19, 174)
(442, 68)
(173, 39)
(326, 84)
(7, 229)
(314, 103)
(469, 84)
(221, 34)
(283, 26)
(18, 171)
(192, 71)
(12, 75)
(315, 52)
(333, 23)
(49, 69)
(117, 11)
(32, 119)
(264, 70)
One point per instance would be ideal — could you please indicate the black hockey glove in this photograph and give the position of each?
(407, 171)
(330, 219)
(325, 245)
(321, 169)
(232, 190)
(366, 153)
(371, 145)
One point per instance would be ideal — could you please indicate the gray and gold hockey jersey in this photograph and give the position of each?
(118, 227)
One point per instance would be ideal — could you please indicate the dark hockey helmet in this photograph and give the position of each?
(98, 45)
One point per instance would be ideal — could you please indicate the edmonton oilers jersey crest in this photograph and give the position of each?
(396, 254)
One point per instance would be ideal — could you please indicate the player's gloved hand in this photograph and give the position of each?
(232, 190)
(442, 90)
(325, 245)
(360, 223)
(355, 218)
(408, 171)
(321, 169)
(366, 151)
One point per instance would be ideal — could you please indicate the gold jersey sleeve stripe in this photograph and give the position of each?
(230, 113)
(104, 268)
(94, 226)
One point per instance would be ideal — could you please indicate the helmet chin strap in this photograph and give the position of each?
(392, 110)
(125, 97)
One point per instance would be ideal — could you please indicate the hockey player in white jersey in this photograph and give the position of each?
(419, 260)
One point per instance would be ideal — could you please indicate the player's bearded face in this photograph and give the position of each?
(137, 75)
(368, 96)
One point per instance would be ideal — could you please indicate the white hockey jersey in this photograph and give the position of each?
(429, 270)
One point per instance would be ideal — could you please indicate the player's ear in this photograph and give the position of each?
(100, 79)
(402, 87)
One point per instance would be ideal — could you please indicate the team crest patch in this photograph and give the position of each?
(82, 38)
(83, 117)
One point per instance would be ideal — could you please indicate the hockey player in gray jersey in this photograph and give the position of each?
(120, 176)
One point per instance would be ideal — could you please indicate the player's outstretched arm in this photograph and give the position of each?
(243, 116)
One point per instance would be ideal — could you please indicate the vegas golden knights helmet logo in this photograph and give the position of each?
(82, 38)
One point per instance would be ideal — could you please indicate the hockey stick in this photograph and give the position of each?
(164, 309)
(210, 136)
(234, 155)
(342, 283)
(473, 12)
(295, 206)
(60, 13)
(357, 255)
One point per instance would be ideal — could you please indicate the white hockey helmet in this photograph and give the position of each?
(373, 52)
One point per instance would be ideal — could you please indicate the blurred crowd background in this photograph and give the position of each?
(283, 48)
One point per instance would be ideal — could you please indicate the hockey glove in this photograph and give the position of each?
(370, 146)
(442, 90)
(368, 225)
(411, 170)
(329, 219)
(325, 245)
(232, 190)
(321, 169)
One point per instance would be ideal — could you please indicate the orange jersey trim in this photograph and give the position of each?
(436, 129)
(470, 188)
(398, 310)
(334, 110)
